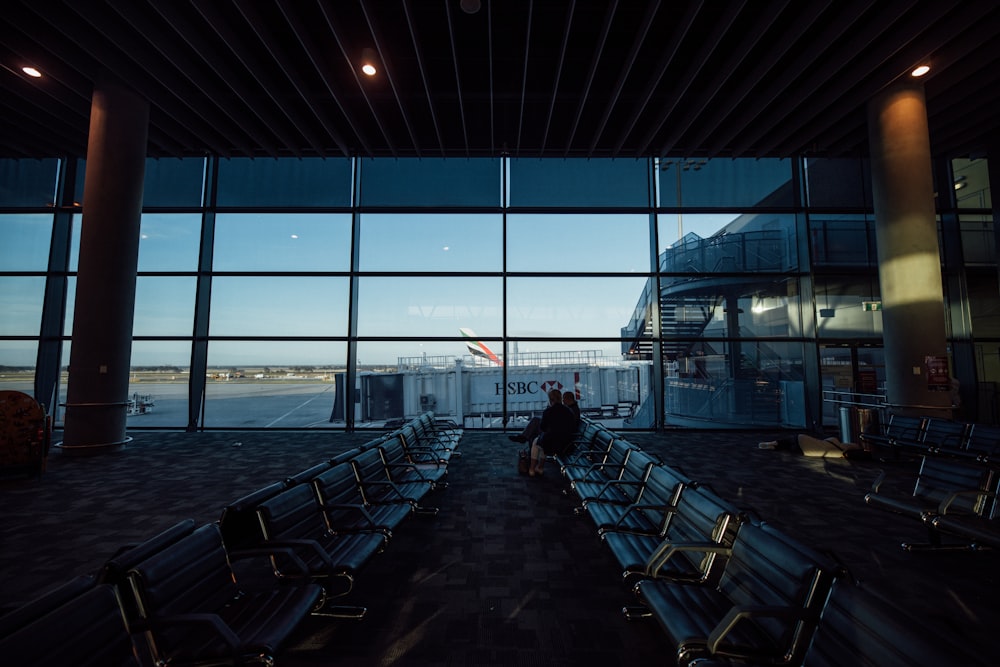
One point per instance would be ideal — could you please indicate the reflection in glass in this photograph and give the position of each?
(578, 243)
(749, 242)
(164, 306)
(426, 242)
(274, 384)
(279, 306)
(972, 183)
(169, 242)
(567, 307)
(429, 306)
(282, 242)
(672, 228)
(24, 242)
(841, 310)
(736, 308)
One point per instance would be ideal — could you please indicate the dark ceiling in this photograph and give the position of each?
(528, 78)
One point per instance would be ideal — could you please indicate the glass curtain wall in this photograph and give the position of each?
(350, 293)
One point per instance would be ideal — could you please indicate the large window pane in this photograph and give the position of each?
(17, 365)
(402, 379)
(158, 384)
(572, 307)
(579, 182)
(431, 242)
(169, 242)
(675, 229)
(279, 306)
(21, 305)
(983, 310)
(289, 182)
(28, 182)
(841, 312)
(430, 182)
(24, 242)
(173, 182)
(842, 240)
(733, 308)
(282, 242)
(749, 242)
(164, 306)
(838, 183)
(979, 244)
(429, 306)
(583, 243)
(273, 384)
(724, 182)
(753, 383)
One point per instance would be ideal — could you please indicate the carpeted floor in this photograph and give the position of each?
(505, 573)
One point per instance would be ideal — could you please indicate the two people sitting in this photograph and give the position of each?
(553, 433)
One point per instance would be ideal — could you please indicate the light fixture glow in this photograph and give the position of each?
(31, 71)
(920, 71)
(368, 62)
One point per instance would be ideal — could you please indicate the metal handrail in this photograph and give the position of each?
(878, 400)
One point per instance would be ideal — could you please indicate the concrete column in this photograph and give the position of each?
(100, 355)
(908, 254)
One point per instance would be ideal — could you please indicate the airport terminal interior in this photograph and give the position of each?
(242, 239)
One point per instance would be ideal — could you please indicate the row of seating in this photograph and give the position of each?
(904, 434)
(949, 496)
(726, 587)
(232, 591)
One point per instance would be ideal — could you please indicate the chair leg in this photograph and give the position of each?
(636, 613)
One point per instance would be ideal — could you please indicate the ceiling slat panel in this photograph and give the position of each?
(533, 78)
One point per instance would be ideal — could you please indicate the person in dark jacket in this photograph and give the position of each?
(558, 426)
(569, 400)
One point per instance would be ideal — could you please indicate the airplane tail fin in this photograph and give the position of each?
(478, 349)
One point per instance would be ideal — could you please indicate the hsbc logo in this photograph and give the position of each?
(520, 388)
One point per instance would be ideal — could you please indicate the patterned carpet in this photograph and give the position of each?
(505, 573)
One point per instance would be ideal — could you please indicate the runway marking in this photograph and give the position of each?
(326, 389)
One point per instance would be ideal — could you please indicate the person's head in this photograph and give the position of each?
(568, 398)
(555, 396)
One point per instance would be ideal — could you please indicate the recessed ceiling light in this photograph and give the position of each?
(368, 62)
(920, 71)
(31, 71)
